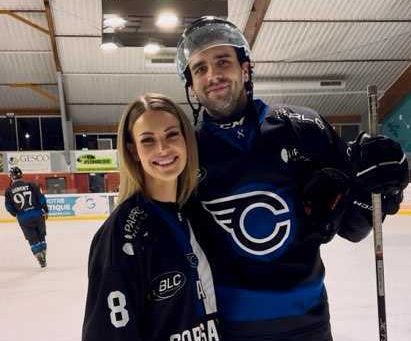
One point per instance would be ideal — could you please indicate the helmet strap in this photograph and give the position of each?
(196, 111)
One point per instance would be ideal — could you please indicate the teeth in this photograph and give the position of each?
(165, 162)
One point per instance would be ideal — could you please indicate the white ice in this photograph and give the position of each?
(48, 304)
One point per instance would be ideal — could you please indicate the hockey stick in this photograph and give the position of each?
(377, 222)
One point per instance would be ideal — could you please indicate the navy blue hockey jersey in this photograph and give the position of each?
(148, 278)
(265, 257)
(25, 200)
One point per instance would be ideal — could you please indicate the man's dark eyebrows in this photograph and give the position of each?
(222, 55)
(196, 65)
(218, 56)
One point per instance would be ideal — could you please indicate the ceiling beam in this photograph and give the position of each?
(52, 35)
(395, 93)
(255, 20)
(30, 111)
(94, 128)
(24, 20)
(25, 10)
(36, 88)
(31, 83)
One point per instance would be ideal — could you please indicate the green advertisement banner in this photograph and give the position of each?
(96, 161)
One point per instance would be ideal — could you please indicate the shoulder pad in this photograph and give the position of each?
(298, 115)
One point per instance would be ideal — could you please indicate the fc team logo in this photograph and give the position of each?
(258, 221)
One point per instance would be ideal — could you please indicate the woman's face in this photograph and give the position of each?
(160, 145)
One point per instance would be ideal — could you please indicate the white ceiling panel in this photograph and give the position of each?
(338, 9)
(83, 55)
(26, 98)
(305, 41)
(348, 104)
(91, 114)
(113, 89)
(356, 75)
(77, 17)
(27, 68)
(239, 11)
(94, 114)
(22, 4)
(16, 35)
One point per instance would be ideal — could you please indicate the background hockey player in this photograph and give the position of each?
(25, 201)
(275, 183)
(148, 278)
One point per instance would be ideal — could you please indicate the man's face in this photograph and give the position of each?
(218, 80)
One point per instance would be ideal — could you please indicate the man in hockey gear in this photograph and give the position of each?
(25, 201)
(149, 279)
(264, 208)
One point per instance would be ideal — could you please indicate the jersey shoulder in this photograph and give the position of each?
(300, 117)
(120, 236)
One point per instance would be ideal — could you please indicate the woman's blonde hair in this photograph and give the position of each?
(131, 171)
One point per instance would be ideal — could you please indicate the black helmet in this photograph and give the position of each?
(15, 173)
(204, 33)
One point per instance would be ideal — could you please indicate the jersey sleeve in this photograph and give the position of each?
(43, 203)
(9, 204)
(115, 294)
(327, 149)
(40, 197)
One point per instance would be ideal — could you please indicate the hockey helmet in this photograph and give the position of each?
(206, 32)
(15, 173)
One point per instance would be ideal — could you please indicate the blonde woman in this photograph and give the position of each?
(148, 277)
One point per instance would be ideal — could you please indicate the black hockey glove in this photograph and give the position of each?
(325, 199)
(380, 164)
(390, 203)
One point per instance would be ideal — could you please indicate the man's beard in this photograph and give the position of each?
(225, 106)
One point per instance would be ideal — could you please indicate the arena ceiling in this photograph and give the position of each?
(51, 62)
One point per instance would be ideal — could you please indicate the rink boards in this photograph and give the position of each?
(98, 206)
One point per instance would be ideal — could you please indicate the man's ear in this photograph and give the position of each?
(245, 71)
(193, 93)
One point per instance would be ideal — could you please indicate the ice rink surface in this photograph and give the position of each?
(48, 304)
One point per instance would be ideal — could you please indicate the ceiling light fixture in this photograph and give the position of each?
(152, 48)
(113, 21)
(167, 20)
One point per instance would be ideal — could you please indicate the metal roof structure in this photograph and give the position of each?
(50, 58)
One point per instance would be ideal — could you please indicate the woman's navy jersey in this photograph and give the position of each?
(265, 257)
(148, 278)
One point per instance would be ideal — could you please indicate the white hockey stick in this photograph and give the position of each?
(377, 222)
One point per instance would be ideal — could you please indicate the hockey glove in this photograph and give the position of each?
(325, 199)
(380, 164)
(390, 203)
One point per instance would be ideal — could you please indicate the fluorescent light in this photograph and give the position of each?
(152, 48)
(114, 21)
(324, 84)
(167, 20)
